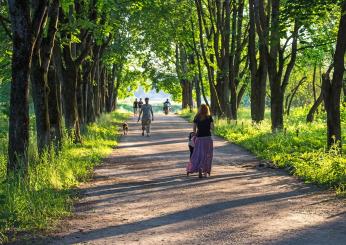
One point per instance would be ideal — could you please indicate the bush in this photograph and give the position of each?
(300, 148)
(47, 193)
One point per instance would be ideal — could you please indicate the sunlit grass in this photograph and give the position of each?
(300, 147)
(48, 194)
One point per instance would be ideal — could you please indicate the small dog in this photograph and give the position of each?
(125, 128)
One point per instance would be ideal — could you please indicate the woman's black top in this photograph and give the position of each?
(203, 126)
(135, 104)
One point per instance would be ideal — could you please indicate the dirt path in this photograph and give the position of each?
(142, 196)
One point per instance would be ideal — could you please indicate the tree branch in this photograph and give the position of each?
(38, 18)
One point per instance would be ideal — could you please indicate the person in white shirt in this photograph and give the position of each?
(147, 116)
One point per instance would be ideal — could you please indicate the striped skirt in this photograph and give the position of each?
(202, 156)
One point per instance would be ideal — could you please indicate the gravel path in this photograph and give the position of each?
(141, 195)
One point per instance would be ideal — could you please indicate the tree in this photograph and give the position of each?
(332, 88)
(39, 77)
(258, 71)
(25, 32)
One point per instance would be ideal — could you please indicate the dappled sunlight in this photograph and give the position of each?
(142, 193)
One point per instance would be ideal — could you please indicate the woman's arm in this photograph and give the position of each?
(212, 127)
(194, 127)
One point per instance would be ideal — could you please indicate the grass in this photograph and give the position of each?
(48, 194)
(300, 148)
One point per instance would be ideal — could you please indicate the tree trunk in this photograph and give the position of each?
(54, 104)
(40, 99)
(241, 93)
(313, 109)
(208, 62)
(182, 65)
(39, 78)
(185, 94)
(228, 109)
(294, 91)
(235, 55)
(90, 101)
(332, 89)
(277, 109)
(91, 117)
(259, 75)
(69, 91)
(102, 89)
(200, 77)
(80, 97)
(344, 90)
(110, 87)
(116, 91)
(314, 83)
(24, 35)
(19, 101)
(97, 89)
(198, 91)
(85, 86)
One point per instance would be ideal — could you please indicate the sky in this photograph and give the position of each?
(152, 95)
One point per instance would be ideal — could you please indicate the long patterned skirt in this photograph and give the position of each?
(202, 156)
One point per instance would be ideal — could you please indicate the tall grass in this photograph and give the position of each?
(47, 194)
(300, 148)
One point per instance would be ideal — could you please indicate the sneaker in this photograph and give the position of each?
(148, 135)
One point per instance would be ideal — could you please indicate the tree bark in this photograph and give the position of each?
(110, 87)
(294, 91)
(102, 89)
(69, 91)
(332, 89)
(97, 87)
(39, 79)
(314, 83)
(54, 104)
(235, 55)
(278, 78)
(79, 95)
(208, 62)
(313, 109)
(40, 98)
(198, 91)
(258, 72)
(344, 90)
(200, 77)
(25, 32)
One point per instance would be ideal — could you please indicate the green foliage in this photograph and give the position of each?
(300, 148)
(46, 195)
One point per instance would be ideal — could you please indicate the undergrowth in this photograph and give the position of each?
(300, 147)
(47, 194)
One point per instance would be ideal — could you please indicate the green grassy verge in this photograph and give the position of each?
(48, 194)
(300, 148)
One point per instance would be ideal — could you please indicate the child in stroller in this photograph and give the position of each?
(192, 137)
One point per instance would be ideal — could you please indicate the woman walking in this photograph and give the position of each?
(202, 155)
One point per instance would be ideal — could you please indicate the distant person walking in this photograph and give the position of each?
(147, 116)
(140, 103)
(135, 107)
(202, 156)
